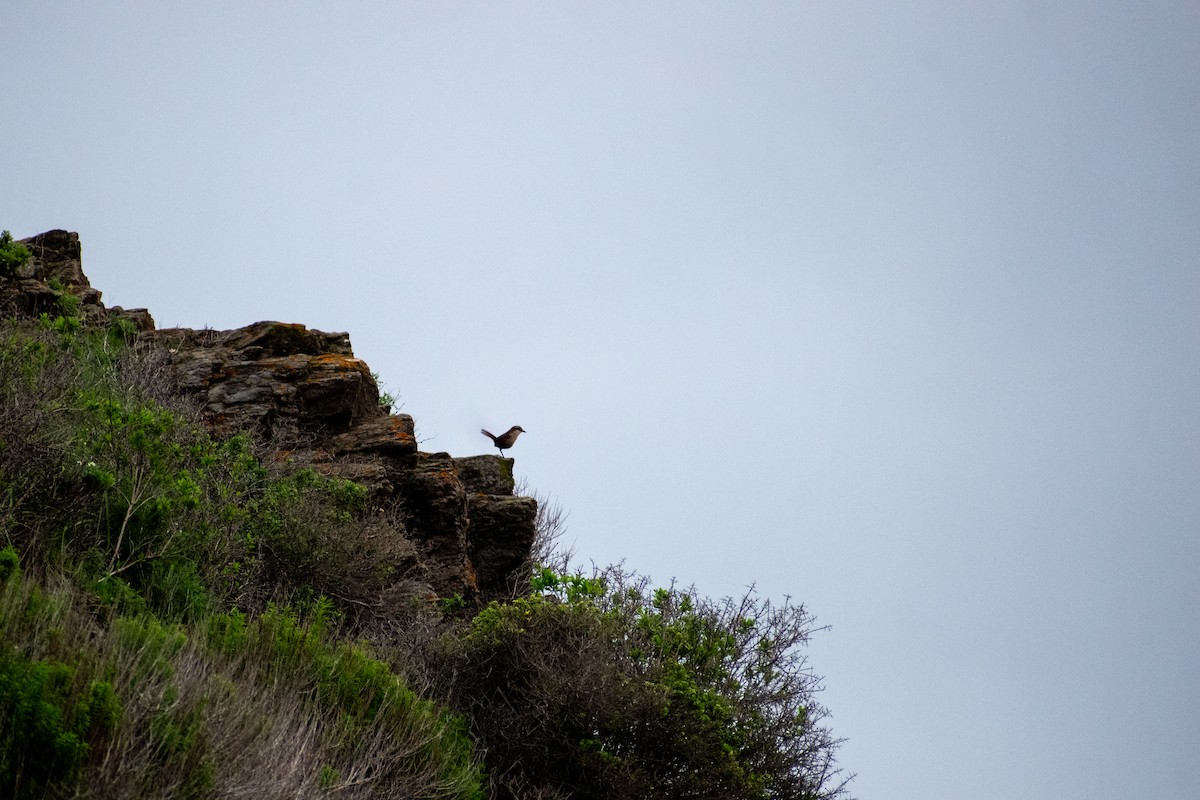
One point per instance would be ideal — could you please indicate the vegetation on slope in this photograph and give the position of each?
(178, 620)
(602, 687)
(142, 653)
(13, 255)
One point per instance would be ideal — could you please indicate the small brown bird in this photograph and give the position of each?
(506, 439)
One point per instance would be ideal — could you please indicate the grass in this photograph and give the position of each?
(130, 706)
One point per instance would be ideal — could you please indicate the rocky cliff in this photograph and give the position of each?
(304, 392)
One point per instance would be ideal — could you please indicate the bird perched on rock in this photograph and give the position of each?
(506, 439)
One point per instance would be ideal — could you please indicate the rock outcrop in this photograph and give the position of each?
(56, 267)
(273, 377)
(304, 392)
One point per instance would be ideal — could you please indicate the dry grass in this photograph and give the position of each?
(197, 720)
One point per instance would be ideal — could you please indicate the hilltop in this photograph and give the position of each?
(229, 571)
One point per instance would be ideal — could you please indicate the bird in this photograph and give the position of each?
(506, 439)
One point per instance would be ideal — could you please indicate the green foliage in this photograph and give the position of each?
(568, 588)
(64, 326)
(453, 605)
(387, 400)
(162, 527)
(52, 706)
(180, 734)
(68, 302)
(122, 330)
(152, 709)
(176, 588)
(368, 697)
(599, 686)
(117, 594)
(139, 467)
(159, 484)
(10, 566)
(310, 529)
(13, 255)
(46, 720)
(152, 509)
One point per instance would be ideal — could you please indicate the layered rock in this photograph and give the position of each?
(273, 377)
(305, 393)
(56, 268)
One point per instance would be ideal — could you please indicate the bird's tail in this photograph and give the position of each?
(488, 434)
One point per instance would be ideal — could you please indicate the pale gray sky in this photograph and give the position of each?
(890, 307)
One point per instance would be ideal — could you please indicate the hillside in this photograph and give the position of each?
(229, 571)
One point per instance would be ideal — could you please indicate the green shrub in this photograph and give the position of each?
(598, 687)
(10, 566)
(53, 705)
(43, 725)
(387, 400)
(68, 302)
(167, 505)
(117, 593)
(317, 536)
(13, 255)
(121, 331)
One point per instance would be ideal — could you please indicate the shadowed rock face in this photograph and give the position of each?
(304, 392)
(502, 530)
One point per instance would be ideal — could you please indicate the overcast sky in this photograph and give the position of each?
(893, 308)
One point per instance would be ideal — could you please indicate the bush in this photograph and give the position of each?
(13, 255)
(67, 303)
(598, 687)
(46, 720)
(10, 566)
(54, 705)
(295, 519)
